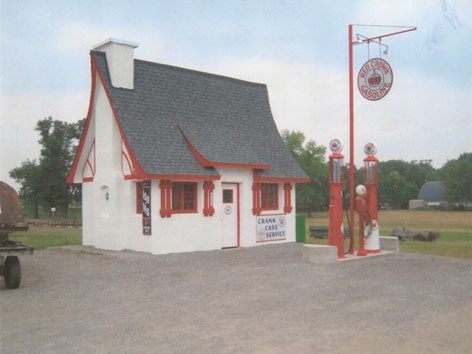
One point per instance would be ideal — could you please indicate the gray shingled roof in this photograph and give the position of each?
(432, 191)
(226, 120)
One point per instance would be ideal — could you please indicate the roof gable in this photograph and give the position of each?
(173, 113)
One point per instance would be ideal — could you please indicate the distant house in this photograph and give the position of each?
(430, 194)
(176, 160)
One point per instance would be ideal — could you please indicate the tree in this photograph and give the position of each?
(47, 181)
(314, 195)
(396, 191)
(29, 176)
(409, 175)
(457, 179)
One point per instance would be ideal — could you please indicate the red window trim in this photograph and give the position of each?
(265, 197)
(139, 198)
(182, 209)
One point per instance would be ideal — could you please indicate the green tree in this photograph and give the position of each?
(396, 191)
(29, 177)
(47, 180)
(414, 173)
(457, 179)
(314, 195)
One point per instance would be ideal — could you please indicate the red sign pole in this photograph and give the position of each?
(351, 141)
(351, 115)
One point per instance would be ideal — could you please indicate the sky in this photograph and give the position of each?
(299, 49)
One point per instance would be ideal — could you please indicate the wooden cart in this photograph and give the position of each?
(11, 220)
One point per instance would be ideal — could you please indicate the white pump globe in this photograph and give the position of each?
(370, 149)
(335, 145)
(360, 189)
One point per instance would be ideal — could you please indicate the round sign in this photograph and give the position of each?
(375, 79)
(336, 145)
(228, 209)
(370, 149)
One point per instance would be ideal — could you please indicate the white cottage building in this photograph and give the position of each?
(176, 160)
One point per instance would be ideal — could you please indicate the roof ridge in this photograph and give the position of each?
(199, 72)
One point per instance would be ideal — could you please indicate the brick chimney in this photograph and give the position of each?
(120, 61)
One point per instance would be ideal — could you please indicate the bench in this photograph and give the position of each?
(318, 231)
(322, 232)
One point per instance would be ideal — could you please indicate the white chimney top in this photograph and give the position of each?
(116, 41)
(120, 61)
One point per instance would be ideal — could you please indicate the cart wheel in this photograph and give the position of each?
(12, 272)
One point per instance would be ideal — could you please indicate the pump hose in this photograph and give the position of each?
(351, 244)
(369, 224)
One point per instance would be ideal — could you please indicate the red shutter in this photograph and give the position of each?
(165, 187)
(256, 198)
(288, 198)
(139, 197)
(208, 209)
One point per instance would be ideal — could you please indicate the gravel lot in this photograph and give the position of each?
(249, 300)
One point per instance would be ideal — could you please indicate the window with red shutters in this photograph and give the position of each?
(269, 196)
(184, 197)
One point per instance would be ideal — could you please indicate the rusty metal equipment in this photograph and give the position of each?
(11, 220)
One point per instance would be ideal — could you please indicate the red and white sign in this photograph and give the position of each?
(375, 79)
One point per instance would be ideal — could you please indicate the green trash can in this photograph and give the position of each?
(300, 228)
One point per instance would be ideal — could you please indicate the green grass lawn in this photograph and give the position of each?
(42, 237)
(455, 230)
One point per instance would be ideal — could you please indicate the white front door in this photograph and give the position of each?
(230, 215)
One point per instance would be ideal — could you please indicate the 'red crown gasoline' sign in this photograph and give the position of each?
(375, 79)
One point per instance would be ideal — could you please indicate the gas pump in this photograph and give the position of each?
(336, 182)
(372, 244)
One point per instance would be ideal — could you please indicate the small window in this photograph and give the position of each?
(227, 196)
(269, 196)
(184, 197)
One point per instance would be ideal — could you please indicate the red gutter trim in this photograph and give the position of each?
(73, 169)
(258, 178)
(206, 163)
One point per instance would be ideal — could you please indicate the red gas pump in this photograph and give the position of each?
(336, 182)
(372, 244)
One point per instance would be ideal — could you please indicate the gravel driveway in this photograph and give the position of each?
(249, 300)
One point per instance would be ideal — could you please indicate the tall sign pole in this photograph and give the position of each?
(351, 141)
(352, 43)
